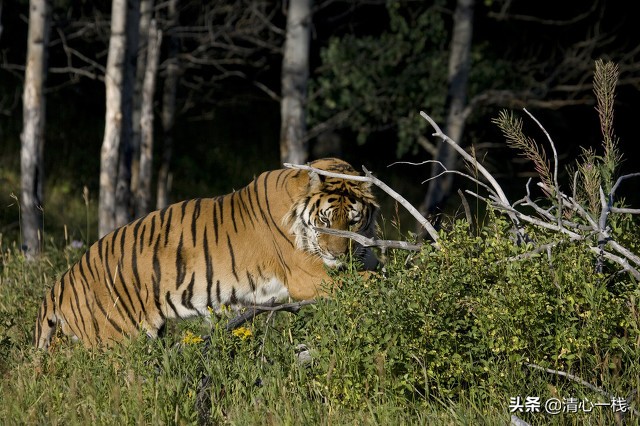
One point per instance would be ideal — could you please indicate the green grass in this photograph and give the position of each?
(442, 337)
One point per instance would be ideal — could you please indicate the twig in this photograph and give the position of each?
(255, 310)
(467, 209)
(555, 166)
(369, 242)
(578, 380)
(497, 188)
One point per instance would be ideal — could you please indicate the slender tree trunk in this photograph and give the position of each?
(143, 194)
(109, 154)
(295, 75)
(168, 108)
(1, 19)
(31, 152)
(124, 212)
(459, 66)
(146, 12)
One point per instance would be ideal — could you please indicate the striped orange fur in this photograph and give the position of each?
(238, 249)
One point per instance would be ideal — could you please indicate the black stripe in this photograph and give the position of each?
(249, 191)
(243, 204)
(167, 227)
(194, 220)
(118, 296)
(283, 263)
(273, 222)
(108, 318)
(122, 239)
(171, 305)
(215, 221)
(233, 258)
(252, 282)
(156, 277)
(152, 231)
(187, 295)
(260, 274)
(209, 285)
(126, 292)
(218, 295)
(162, 213)
(89, 295)
(181, 267)
(74, 296)
(283, 175)
(74, 290)
(220, 201)
(61, 288)
(234, 298)
(255, 191)
(207, 258)
(114, 235)
(241, 207)
(233, 211)
(87, 260)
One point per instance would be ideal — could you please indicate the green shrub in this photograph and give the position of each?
(439, 337)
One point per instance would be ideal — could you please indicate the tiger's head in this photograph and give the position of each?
(328, 202)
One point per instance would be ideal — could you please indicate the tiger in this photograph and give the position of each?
(255, 245)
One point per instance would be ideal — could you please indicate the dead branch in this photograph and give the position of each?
(369, 242)
(253, 311)
(565, 208)
(577, 379)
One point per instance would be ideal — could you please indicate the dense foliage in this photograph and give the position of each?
(439, 336)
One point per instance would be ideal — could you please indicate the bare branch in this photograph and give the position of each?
(494, 184)
(577, 379)
(253, 311)
(369, 242)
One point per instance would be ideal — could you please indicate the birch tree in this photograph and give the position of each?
(168, 106)
(123, 210)
(458, 75)
(109, 155)
(31, 153)
(146, 13)
(143, 191)
(295, 75)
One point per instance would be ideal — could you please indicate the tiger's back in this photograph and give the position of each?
(237, 249)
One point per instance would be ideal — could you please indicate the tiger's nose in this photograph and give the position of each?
(338, 246)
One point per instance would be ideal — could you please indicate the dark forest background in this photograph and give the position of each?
(374, 65)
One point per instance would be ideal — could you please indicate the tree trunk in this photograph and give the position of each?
(31, 152)
(1, 19)
(459, 66)
(168, 108)
(295, 75)
(143, 194)
(124, 212)
(109, 154)
(146, 12)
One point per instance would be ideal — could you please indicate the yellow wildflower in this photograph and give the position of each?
(242, 332)
(191, 339)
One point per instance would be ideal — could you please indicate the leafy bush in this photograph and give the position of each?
(440, 337)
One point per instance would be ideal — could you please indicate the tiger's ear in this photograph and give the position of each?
(316, 181)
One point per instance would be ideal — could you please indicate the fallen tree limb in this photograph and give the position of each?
(253, 311)
(370, 242)
(577, 379)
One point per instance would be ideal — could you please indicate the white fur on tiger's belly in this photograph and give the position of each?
(266, 290)
(271, 289)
